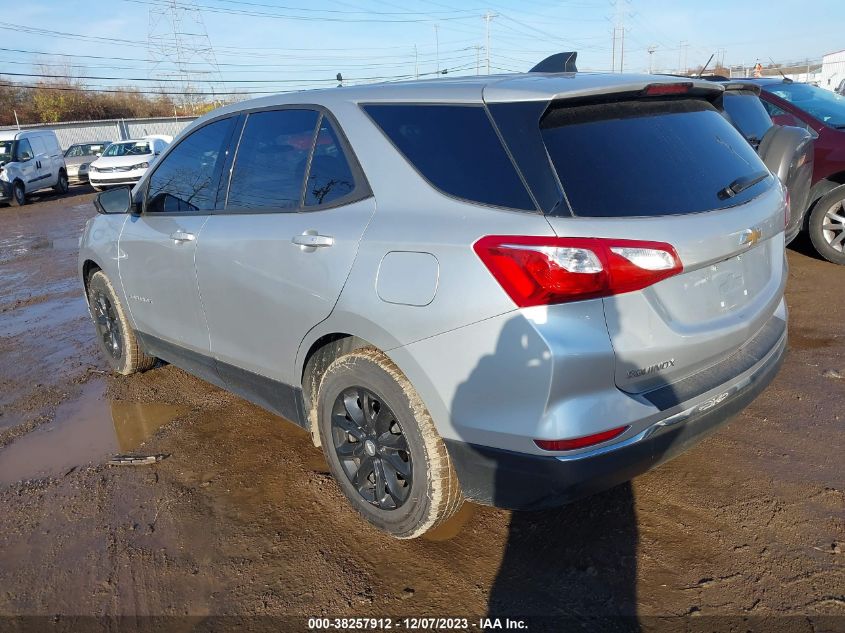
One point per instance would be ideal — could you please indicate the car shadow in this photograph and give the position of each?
(571, 566)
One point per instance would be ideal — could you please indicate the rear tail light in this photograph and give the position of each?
(547, 270)
(581, 442)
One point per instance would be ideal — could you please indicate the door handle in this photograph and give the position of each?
(312, 240)
(181, 236)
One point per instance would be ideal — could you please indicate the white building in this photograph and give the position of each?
(833, 70)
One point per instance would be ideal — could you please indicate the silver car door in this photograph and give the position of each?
(273, 264)
(158, 246)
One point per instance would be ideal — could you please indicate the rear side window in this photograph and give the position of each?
(747, 114)
(330, 177)
(456, 149)
(272, 157)
(649, 158)
(186, 180)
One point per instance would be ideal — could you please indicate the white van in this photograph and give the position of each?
(30, 160)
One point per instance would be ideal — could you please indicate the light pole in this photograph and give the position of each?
(651, 50)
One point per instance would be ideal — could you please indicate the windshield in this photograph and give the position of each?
(84, 149)
(5, 151)
(129, 148)
(828, 107)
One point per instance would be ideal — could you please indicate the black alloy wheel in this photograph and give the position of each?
(372, 448)
(107, 324)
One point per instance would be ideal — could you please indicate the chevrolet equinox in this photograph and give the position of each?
(517, 290)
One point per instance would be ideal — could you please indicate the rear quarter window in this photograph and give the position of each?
(456, 149)
(648, 158)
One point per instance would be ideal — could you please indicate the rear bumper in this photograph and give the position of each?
(521, 481)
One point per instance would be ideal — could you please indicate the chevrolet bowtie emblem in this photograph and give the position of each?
(750, 237)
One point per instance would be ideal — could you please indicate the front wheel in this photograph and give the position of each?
(382, 447)
(18, 194)
(62, 186)
(827, 226)
(115, 336)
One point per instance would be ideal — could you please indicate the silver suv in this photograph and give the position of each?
(516, 290)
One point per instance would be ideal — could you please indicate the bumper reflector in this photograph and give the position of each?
(581, 442)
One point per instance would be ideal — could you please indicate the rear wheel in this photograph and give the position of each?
(18, 194)
(827, 226)
(382, 447)
(62, 186)
(115, 336)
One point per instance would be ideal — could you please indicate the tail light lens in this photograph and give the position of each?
(581, 442)
(547, 270)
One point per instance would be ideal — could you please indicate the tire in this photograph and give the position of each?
(115, 336)
(402, 437)
(18, 194)
(62, 186)
(827, 226)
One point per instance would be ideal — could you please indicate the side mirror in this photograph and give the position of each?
(98, 154)
(117, 200)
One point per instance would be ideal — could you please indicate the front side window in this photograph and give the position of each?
(186, 180)
(330, 176)
(272, 158)
(24, 150)
(456, 149)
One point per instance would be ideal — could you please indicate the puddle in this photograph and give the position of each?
(87, 430)
(47, 314)
(20, 245)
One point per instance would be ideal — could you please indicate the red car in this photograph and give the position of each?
(822, 113)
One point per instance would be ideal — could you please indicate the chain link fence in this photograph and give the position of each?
(70, 132)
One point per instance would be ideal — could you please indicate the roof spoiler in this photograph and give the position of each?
(557, 63)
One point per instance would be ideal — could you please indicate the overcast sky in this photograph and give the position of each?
(304, 43)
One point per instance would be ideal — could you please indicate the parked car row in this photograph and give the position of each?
(32, 161)
(822, 114)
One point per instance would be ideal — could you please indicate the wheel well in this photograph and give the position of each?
(88, 269)
(320, 355)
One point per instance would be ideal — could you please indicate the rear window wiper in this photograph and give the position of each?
(741, 184)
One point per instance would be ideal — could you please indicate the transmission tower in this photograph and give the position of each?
(181, 52)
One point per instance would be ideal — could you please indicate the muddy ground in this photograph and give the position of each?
(242, 519)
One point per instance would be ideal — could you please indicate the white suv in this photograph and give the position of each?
(30, 161)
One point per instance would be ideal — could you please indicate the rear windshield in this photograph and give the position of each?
(649, 158)
(747, 113)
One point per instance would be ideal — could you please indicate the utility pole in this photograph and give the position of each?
(622, 52)
(613, 53)
(477, 48)
(682, 53)
(416, 64)
(437, 45)
(651, 50)
(487, 18)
